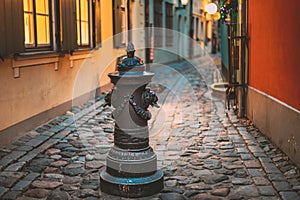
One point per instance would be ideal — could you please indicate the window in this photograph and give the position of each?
(82, 21)
(169, 24)
(37, 27)
(119, 23)
(80, 24)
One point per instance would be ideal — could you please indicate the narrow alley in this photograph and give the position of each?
(204, 150)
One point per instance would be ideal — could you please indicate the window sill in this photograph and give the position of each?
(30, 59)
(34, 59)
(79, 55)
(36, 55)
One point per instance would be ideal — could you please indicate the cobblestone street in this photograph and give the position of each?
(204, 150)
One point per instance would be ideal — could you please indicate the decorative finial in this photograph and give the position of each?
(126, 63)
(130, 47)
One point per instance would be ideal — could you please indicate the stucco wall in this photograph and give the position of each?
(41, 88)
(274, 49)
(277, 121)
(42, 93)
(273, 101)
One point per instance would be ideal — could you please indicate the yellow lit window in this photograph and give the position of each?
(37, 23)
(82, 19)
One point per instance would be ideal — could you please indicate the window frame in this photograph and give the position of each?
(90, 26)
(51, 14)
(67, 35)
(62, 32)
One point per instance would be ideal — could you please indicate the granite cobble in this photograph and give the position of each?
(204, 150)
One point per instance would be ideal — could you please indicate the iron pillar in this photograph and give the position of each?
(131, 164)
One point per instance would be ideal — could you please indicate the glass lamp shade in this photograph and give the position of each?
(211, 8)
(184, 2)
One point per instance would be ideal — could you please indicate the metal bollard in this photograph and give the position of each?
(131, 164)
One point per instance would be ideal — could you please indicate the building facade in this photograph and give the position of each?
(169, 22)
(57, 54)
(273, 99)
(206, 26)
(262, 65)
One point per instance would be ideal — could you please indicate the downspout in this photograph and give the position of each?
(191, 31)
(146, 27)
(129, 22)
(244, 44)
(230, 70)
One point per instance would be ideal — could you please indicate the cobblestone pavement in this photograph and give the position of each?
(204, 151)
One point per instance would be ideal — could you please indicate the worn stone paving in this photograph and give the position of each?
(204, 151)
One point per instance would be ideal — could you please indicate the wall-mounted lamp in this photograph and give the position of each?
(182, 5)
(211, 8)
(212, 13)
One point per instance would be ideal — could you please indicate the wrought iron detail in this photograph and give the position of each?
(131, 169)
(144, 114)
(150, 98)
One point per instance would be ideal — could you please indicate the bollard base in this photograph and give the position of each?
(132, 187)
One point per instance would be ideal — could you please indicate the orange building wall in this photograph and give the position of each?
(274, 49)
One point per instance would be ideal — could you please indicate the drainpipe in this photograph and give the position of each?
(191, 31)
(147, 29)
(244, 42)
(230, 68)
